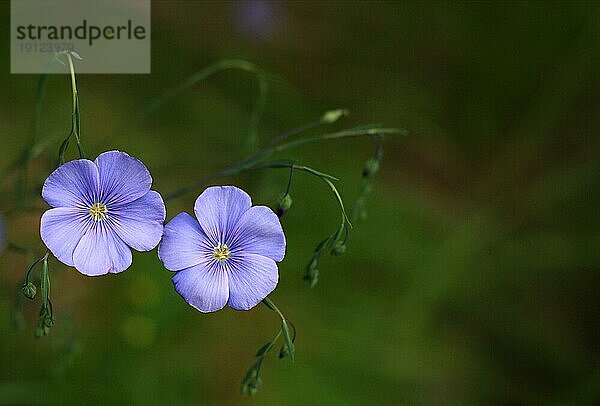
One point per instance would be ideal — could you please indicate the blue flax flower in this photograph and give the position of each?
(227, 254)
(100, 210)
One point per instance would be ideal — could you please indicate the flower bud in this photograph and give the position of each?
(312, 276)
(254, 385)
(284, 352)
(284, 204)
(48, 322)
(29, 290)
(252, 380)
(371, 167)
(333, 115)
(339, 248)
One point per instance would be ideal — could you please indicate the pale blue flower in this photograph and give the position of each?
(100, 210)
(227, 254)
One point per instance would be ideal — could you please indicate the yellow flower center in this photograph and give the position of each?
(221, 253)
(98, 211)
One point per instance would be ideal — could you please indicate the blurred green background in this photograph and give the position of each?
(474, 278)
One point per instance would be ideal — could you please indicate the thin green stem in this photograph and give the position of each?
(269, 303)
(295, 131)
(289, 184)
(44, 258)
(289, 341)
(339, 199)
(75, 118)
(76, 115)
(291, 164)
(234, 170)
(252, 161)
(226, 64)
(339, 135)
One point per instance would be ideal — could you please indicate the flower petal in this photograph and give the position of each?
(203, 286)
(259, 232)
(140, 223)
(72, 184)
(61, 230)
(218, 210)
(101, 251)
(123, 178)
(184, 244)
(251, 278)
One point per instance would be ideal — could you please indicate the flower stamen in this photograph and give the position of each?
(221, 253)
(98, 211)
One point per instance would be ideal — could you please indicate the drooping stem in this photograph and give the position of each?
(190, 81)
(269, 303)
(287, 336)
(252, 380)
(44, 258)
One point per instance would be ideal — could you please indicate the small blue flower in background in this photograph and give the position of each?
(257, 19)
(100, 210)
(227, 254)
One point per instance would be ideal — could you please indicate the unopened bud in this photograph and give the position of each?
(48, 322)
(251, 381)
(284, 204)
(284, 352)
(312, 276)
(29, 290)
(339, 248)
(254, 385)
(371, 167)
(333, 115)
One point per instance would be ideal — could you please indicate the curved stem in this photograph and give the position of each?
(234, 170)
(202, 74)
(289, 342)
(269, 303)
(44, 258)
